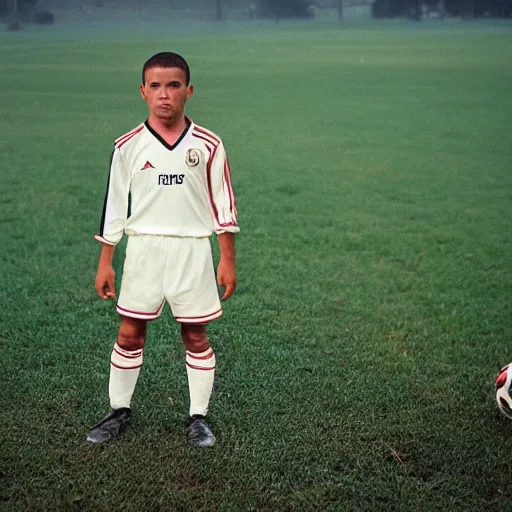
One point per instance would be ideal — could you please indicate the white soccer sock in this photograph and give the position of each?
(124, 371)
(200, 372)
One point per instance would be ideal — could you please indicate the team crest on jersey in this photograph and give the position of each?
(193, 157)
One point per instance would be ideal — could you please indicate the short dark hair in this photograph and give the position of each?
(166, 60)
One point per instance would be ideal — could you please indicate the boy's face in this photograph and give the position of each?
(165, 91)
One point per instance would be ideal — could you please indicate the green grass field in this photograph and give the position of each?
(356, 363)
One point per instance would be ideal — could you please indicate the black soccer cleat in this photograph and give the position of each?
(110, 427)
(198, 433)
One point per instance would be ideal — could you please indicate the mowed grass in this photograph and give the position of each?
(356, 363)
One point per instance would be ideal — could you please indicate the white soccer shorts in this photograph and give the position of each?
(177, 270)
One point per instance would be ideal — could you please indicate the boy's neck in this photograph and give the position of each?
(170, 131)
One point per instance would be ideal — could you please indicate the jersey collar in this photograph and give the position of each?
(170, 147)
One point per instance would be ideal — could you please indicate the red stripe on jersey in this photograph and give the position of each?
(208, 133)
(125, 138)
(208, 143)
(208, 138)
(128, 133)
(227, 177)
(209, 183)
(210, 194)
(194, 367)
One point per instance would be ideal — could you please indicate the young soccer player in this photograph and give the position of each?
(178, 178)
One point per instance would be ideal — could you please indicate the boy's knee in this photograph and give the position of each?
(195, 338)
(132, 334)
(130, 341)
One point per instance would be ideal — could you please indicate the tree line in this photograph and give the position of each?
(416, 9)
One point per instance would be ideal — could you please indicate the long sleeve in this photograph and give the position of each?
(115, 208)
(222, 197)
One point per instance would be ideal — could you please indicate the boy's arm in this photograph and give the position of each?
(112, 224)
(226, 270)
(115, 206)
(225, 217)
(225, 220)
(105, 283)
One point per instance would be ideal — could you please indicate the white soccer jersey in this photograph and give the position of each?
(182, 190)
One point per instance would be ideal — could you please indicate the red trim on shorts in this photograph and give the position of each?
(145, 315)
(199, 319)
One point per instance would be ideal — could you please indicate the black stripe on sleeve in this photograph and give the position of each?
(102, 222)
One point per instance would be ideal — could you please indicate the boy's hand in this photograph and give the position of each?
(105, 283)
(226, 276)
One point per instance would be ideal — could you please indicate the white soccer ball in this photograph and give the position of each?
(504, 390)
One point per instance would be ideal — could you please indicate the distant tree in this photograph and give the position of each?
(285, 8)
(462, 8)
(393, 8)
(25, 6)
(22, 6)
(478, 8)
